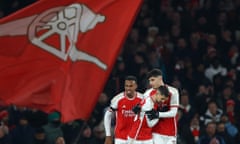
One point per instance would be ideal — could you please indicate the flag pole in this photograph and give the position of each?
(75, 141)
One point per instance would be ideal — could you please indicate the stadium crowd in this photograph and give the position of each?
(196, 44)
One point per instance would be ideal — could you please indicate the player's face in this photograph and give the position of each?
(160, 98)
(130, 87)
(155, 82)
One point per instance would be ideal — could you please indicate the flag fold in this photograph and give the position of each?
(56, 55)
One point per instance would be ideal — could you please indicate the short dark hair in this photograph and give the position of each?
(164, 90)
(131, 77)
(154, 73)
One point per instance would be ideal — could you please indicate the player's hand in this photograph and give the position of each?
(108, 140)
(136, 109)
(152, 114)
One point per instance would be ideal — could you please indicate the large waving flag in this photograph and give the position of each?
(58, 54)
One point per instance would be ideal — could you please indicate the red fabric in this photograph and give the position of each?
(36, 69)
(3, 114)
(195, 132)
(231, 117)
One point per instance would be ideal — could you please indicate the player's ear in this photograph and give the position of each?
(135, 85)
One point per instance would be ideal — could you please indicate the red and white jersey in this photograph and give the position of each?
(142, 126)
(124, 114)
(167, 124)
(149, 92)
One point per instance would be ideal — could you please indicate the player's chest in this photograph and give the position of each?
(127, 104)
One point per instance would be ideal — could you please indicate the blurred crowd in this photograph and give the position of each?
(195, 43)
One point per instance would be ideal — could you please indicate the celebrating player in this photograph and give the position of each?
(122, 105)
(165, 131)
(141, 132)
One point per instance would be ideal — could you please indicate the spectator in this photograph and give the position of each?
(86, 136)
(188, 109)
(98, 134)
(53, 127)
(4, 135)
(4, 118)
(215, 68)
(37, 118)
(221, 131)
(23, 132)
(71, 130)
(230, 128)
(99, 110)
(212, 114)
(39, 136)
(191, 131)
(210, 137)
(226, 98)
(59, 140)
(202, 98)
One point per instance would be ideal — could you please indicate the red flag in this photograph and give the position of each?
(58, 54)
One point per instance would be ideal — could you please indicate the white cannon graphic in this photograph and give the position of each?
(66, 22)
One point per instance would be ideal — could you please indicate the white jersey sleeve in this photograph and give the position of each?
(109, 113)
(107, 122)
(174, 104)
(147, 106)
(115, 100)
(147, 93)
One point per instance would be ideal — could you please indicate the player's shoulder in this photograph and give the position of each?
(139, 95)
(147, 104)
(148, 92)
(118, 97)
(172, 89)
